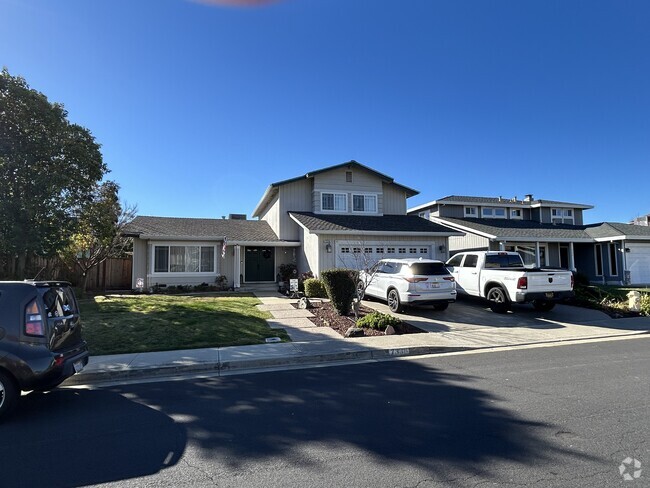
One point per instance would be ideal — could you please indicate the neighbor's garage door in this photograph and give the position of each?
(638, 262)
(361, 256)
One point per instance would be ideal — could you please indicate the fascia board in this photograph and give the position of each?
(463, 228)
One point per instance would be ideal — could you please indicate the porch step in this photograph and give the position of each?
(253, 287)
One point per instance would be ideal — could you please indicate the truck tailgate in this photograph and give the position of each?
(549, 280)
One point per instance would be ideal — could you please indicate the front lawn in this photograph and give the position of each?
(143, 323)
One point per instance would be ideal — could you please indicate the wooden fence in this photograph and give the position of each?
(112, 274)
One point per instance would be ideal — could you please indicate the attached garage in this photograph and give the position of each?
(356, 255)
(638, 262)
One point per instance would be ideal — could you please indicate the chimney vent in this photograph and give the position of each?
(237, 217)
(528, 198)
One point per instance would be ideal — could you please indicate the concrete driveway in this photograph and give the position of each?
(469, 322)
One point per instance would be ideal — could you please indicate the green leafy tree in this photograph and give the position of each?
(97, 231)
(49, 167)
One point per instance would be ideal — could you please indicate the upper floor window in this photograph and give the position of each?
(471, 211)
(562, 215)
(494, 212)
(364, 203)
(334, 202)
(516, 213)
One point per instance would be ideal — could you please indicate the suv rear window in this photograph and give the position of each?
(429, 269)
(59, 301)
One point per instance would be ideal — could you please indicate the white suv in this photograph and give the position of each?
(408, 282)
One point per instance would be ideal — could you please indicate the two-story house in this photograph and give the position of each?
(545, 233)
(347, 215)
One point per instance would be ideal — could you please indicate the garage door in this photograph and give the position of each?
(638, 262)
(353, 255)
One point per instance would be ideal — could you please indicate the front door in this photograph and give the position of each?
(259, 264)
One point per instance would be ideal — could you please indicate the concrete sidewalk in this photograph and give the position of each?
(314, 345)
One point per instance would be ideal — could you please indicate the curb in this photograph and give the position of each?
(99, 377)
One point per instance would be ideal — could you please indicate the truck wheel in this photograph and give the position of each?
(439, 307)
(543, 305)
(394, 303)
(361, 290)
(498, 300)
(9, 394)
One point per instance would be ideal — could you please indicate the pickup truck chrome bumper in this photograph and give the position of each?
(552, 296)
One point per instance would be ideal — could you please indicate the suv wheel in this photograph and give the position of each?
(394, 303)
(498, 300)
(8, 394)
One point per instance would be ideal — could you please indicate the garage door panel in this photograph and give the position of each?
(361, 256)
(638, 262)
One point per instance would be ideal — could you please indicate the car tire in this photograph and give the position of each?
(498, 300)
(543, 305)
(361, 290)
(439, 307)
(394, 303)
(9, 394)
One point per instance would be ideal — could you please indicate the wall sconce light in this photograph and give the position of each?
(328, 247)
(442, 248)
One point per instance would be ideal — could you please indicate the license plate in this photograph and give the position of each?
(549, 294)
(433, 285)
(78, 366)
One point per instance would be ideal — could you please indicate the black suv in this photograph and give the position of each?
(40, 338)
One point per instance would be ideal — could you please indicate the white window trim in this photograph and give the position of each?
(152, 259)
(515, 217)
(364, 195)
(562, 214)
(505, 213)
(334, 193)
(465, 214)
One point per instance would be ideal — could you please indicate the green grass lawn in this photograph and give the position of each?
(144, 323)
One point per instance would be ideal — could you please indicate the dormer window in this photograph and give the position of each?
(493, 212)
(334, 202)
(471, 211)
(364, 203)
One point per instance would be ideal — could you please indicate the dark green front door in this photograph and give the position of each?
(259, 264)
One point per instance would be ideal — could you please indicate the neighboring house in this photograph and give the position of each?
(545, 233)
(643, 220)
(347, 215)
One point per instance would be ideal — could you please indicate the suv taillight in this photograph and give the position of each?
(413, 279)
(522, 283)
(34, 324)
(449, 278)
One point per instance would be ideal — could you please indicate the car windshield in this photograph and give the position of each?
(503, 261)
(429, 269)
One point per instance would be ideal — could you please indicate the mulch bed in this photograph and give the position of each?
(326, 316)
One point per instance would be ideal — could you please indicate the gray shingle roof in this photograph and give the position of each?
(506, 201)
(513, 229)
(363, 223)
(615, 229)
(233, 230)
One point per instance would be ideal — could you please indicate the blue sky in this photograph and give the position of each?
(199, 107)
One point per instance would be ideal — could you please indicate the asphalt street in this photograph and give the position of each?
(551, 416)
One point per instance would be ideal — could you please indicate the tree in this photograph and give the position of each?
(49, 167)
(97, 233)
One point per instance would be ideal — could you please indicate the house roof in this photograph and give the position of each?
(355, 224)
(273, 187)
(200, 229)
(512, 229)
(611, 230)
(497, 201)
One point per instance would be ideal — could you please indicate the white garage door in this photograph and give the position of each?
(353, 255)
(638, 262)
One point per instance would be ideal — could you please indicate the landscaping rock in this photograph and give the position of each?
(304, 303)
(354, 332)
(390, 330)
